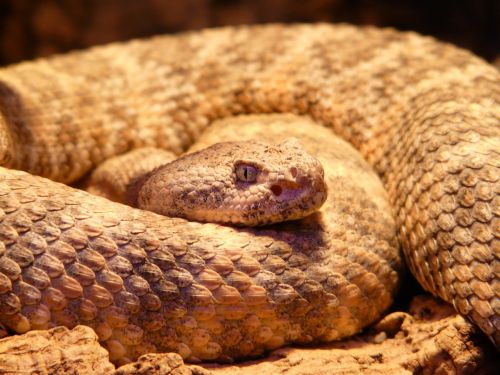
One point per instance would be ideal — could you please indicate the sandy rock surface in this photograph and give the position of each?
(160, 364)
(428, 339)
(56, 351)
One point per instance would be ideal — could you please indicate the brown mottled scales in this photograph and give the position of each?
(424, 114)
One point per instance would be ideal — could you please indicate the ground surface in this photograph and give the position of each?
(429, 339)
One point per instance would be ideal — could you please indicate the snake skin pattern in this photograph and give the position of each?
(424, 114)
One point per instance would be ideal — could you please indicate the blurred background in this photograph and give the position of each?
(33, 28)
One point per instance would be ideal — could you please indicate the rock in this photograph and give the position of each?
(56, 351)
(160, 364)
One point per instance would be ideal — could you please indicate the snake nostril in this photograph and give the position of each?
(294, 172)
(277, 190)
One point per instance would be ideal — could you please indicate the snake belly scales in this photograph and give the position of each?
(424, 114)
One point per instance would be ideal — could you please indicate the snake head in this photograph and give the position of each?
(238, 183)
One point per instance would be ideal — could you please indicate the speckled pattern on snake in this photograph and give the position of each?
(425, 115)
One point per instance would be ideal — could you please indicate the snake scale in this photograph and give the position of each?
(424, 114)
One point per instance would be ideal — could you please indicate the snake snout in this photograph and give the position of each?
(285, 187)
(292, 187)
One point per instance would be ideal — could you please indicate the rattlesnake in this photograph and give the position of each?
(424, 114)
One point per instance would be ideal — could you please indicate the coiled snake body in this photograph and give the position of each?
(424, 114)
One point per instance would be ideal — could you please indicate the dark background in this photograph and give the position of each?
(32, 28)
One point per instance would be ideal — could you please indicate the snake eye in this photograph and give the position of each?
(246, 173)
